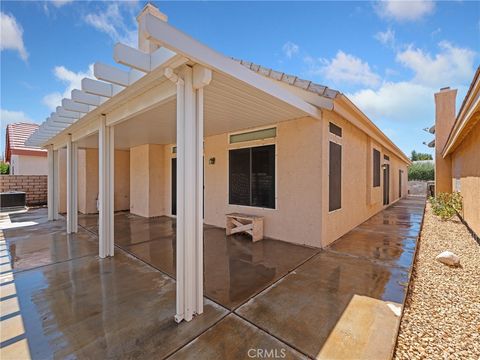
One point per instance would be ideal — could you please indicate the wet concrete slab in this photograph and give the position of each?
(235, 268)
(31, 241)
(103, 308)
(305, 307)
(234, 338)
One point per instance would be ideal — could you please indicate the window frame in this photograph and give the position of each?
(374, 185)
(339, 141)
(250, 145)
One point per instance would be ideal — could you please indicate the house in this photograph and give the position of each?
(191, 133)
(23, 159)
(457, 149)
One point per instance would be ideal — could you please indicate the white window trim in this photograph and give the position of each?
(248, 145)
(339, 141)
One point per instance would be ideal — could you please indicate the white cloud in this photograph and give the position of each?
(112, 23)
(413, 99)
(401, 101)
(10, 117)
(343, 68)
(386, 37)
(71, 79)
(290, 49)
(450, 67)
(404, 10)
(60, 3)
(11, 35)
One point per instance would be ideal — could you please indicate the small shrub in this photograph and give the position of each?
(421, 171)
(446, 205)
(4, 168)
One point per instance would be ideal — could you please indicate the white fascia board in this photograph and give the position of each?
(87, 99)
(71, 105)
(162, 33)
(140, 60)
(67, 113)
(100, 88)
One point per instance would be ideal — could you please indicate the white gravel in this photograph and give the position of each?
(442, 312)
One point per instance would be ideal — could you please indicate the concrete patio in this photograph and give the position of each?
(59, 299)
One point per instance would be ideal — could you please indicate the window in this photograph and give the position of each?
(334, 129)
(253, 135)
(252, 176)
(386, 157)
(335, 177)
(376, 168)
(400, 172)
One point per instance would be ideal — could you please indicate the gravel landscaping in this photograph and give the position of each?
(442, 312)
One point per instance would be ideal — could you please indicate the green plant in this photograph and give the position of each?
(420, 156)
(446, 205)
(4, 168)
(421, 171)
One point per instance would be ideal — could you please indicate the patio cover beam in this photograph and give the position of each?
(160, 32)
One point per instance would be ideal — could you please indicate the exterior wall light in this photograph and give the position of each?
(211, 161)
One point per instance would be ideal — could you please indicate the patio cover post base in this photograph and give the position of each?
(190, 84)
(106, 161)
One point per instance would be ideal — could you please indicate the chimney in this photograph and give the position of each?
(143, 43)
(444, 120)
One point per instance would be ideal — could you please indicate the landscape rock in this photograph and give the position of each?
(448, 258)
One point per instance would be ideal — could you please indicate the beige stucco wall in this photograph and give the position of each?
(297, 217)
(147, 178)
(88, 180)
(28, 165)
(360, 200)
(466, 176)
(300, 210)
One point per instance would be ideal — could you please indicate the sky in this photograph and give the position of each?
(388, 57)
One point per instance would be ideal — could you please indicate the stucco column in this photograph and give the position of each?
(106, 188)
(72, 186)
(190, 190)
(444, 120)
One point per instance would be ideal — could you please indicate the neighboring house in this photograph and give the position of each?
(457, 148)
(23, 159)
(203, 135)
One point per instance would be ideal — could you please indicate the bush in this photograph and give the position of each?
(446, 205)
(4, 168)
(421, 171)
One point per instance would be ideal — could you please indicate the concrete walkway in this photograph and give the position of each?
(58, 299)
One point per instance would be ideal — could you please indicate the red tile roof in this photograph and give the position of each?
(17, 134)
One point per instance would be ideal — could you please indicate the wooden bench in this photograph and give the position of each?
(250, 224)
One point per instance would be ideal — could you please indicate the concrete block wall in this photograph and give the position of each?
(35, 187)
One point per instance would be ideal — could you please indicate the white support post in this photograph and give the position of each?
(51, 183)
(72, 186)
(189, 195)
(106, 153)
(56, 186)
